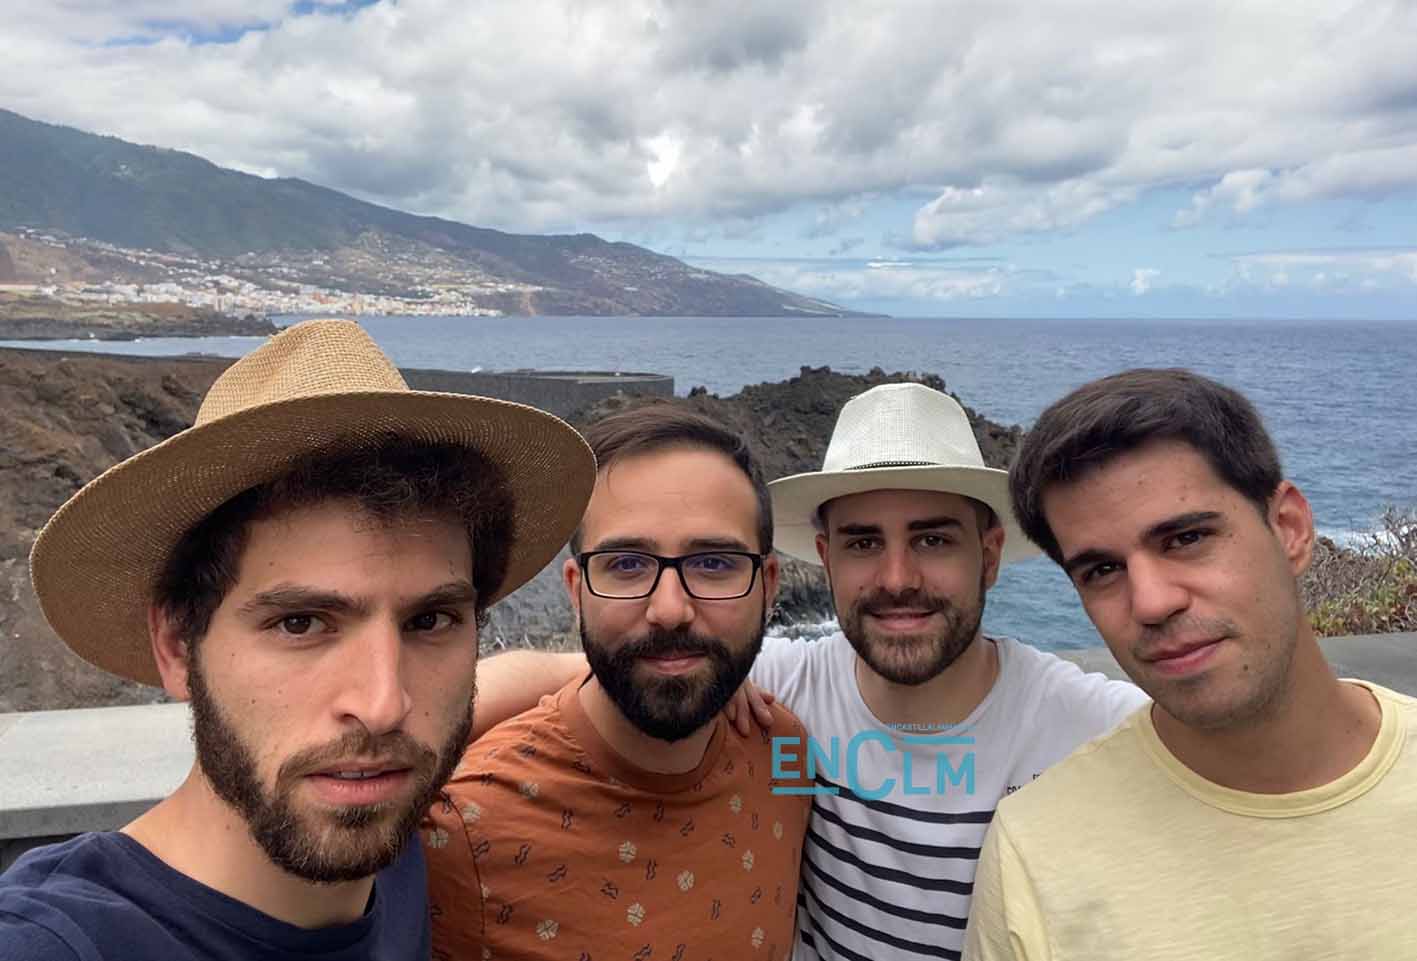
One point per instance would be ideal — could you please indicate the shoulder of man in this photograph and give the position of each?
(500, 773)
(1078, 704)
(52, 904)
(25, 938)
(788, 666)
(1084, 783)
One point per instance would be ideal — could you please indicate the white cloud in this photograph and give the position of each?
(883, 279)
(1019, 119)
(1332, 271)
(1142, 278)
(995, 210)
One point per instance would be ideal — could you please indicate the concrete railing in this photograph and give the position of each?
(63, 772)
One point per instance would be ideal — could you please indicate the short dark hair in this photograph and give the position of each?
(661, 425)
(1114, 415)
(391, 480)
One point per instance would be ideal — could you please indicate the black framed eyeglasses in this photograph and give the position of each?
(705, 575)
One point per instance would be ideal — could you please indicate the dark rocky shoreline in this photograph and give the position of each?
(45, 318)
(65, 417)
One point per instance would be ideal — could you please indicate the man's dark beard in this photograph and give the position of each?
(924, 657)
(356, 841)
(669, 708)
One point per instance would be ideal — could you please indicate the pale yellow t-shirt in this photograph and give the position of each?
(1121, 852)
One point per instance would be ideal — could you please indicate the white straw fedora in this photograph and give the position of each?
(894, 437)
(315, 387)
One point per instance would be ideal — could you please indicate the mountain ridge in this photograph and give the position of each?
(143, 198)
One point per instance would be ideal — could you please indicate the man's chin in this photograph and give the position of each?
(907, 659)
(331, 845)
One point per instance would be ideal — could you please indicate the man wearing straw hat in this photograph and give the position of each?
(308, 565)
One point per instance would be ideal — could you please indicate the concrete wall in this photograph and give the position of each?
(560, 392)
(63, 772)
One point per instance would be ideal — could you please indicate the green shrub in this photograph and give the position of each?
(1370, 589)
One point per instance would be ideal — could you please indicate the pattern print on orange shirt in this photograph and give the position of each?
(548, 845)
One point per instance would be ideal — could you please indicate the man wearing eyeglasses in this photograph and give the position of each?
(620, 818)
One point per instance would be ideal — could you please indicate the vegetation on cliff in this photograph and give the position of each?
(1370, 588)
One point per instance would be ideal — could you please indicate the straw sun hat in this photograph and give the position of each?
(894, 437)
(317, 386)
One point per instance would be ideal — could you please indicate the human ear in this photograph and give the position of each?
(171, 652)
(1292, 520)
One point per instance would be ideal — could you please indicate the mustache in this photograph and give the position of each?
(394, 749)
(661, 642)
(881, 599)
(1184, 625)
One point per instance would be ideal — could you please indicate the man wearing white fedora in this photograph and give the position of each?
(308, 565)
(919, 724)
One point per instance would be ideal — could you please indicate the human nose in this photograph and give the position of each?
(375, 693)
(1155, 592)
(670, 605)
(898, 571)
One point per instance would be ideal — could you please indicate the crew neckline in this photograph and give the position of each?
(1363, 777)
(259, 927)
(1003, 648)
(615, 765)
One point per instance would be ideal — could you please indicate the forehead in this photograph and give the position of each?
(336, 538)
(1132, 492)
(669, 497)
(887, 508)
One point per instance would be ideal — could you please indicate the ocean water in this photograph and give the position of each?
(1340, 398)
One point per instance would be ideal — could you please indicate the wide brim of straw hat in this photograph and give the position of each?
(795, 501)
(94, 565)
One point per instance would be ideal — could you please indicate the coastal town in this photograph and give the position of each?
(379, 280)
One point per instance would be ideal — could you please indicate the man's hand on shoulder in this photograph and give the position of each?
(750, 705)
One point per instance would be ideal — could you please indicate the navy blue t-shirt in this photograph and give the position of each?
(105, 897)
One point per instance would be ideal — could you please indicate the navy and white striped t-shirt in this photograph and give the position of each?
(900, 815)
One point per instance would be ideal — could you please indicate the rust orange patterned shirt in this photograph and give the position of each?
(548, 844)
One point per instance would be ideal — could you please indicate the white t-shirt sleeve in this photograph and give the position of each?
(1054, 707)
(1084, 706)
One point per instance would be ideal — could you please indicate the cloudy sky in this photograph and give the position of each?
(969, 157)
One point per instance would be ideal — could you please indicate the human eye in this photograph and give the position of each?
(300, 625)
(430, 622)
(863, 545)
(625, 565)
(1095, 575)
(934, 540)
(1187, 538)
(715, 564)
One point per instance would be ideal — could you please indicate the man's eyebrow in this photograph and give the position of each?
(1174, 525)
(715, 544)
(858, 529)
(628, 543)
(299, 597)
(452, 594)
(650, 546)
(1166, 528)
(931, 523)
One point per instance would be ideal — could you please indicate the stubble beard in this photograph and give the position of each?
(912, 659)
(1264, 678)
(324, 846)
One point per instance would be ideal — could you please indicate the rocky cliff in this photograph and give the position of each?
(66, 417)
